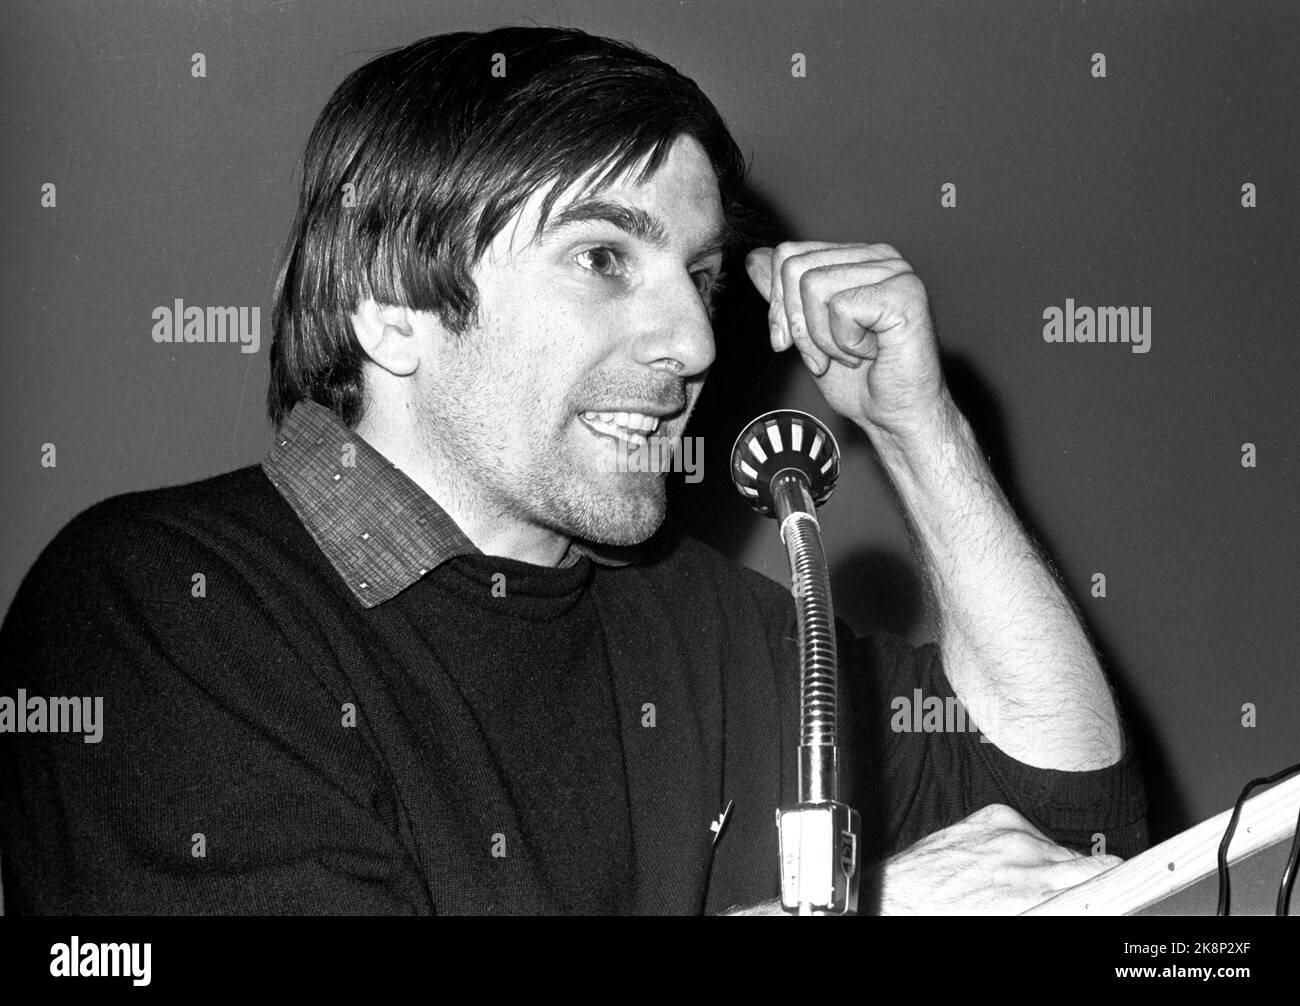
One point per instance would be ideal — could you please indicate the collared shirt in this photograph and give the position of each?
(380, 531)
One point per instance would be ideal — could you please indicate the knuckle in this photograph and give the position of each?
(998, 813)
(840, 303)
(1023, 843)
(909, 281)
(785, 251)
(810, 281)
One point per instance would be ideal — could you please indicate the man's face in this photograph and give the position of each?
(589, 339)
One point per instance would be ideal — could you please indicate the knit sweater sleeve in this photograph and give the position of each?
(913, 763)
(224, 779)
(928, 756)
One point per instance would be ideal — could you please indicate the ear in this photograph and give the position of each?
(389, 335)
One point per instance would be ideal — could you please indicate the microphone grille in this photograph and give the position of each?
(778, 440)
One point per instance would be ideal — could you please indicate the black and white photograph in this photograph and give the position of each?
(654, 457)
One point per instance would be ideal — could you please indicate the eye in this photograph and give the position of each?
(602, 261)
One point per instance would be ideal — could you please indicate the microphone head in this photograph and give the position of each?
(779, 440)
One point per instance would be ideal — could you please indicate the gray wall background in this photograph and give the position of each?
(1122, 191)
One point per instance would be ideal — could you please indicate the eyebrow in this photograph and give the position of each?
(632, 220)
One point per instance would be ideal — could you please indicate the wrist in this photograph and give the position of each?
(929, 439)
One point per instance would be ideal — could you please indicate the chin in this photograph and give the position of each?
(630, 520)
(606, 517)
(626, 532)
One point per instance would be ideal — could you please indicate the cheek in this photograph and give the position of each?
(567, 352)
(547, 344)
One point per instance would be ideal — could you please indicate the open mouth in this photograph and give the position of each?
(631, 428)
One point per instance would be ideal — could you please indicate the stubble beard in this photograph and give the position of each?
(611, 516)
(557, 485)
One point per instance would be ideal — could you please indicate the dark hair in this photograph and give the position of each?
(441, 153)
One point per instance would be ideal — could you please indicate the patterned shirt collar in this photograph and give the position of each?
(380, 531)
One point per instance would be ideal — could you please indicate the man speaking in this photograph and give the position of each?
(436, 653)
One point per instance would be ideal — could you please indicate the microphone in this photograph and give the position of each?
(785, 464)
(775, 442)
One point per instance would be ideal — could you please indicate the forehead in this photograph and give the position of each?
(682, 194)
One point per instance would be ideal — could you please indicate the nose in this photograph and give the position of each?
(674, 328)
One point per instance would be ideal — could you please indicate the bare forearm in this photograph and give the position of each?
(1013, 647)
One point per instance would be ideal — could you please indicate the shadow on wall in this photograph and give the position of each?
(744, 383)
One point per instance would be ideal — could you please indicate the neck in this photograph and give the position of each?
(492, 529)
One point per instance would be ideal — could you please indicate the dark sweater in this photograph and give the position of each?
(524, 646)
(494, 766)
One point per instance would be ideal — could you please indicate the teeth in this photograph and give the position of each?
(627, 422)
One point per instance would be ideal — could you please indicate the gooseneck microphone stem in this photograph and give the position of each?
(786, 464)
(818, 760)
